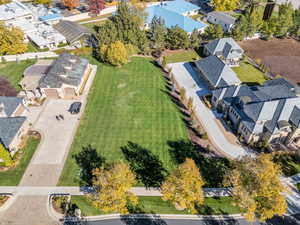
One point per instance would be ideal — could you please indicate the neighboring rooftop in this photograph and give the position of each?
(222, 16)
(180, 6)
(13, 10)
(227, 47)
(217, 72)
(71, 31)
(9, 127)
(66, 69)
(9, 104)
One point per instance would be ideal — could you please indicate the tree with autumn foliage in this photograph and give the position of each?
(112, 187)
(2, 2)
(225, 5)
(116, 53)
(70, 4)
(5, 156)
(257, 188)
(11, 40)
(184, 187)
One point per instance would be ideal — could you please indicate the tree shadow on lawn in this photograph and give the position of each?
(213, 169)
(87, 160)
(147, 166)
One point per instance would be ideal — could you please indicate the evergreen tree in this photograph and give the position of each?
(295, 31)
(213, 32)
(269, 28)
(195, 39)
(177, 38)
(5, 156)
(157, 33)
(284, 20)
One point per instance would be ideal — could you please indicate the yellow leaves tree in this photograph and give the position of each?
(257, 187)
(184, 186)
(225, 5)
(5, 157)
(115, 54)
(112, 188)
(44, 2)
(4, 2)
(11, 40)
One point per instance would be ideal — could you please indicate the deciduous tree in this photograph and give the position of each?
(184, 186)
(115, 54)
(4, 2)
(257, 188)
(43, 2)
(11, 40)
(113, 188)
(5, 156)
(213, 32)
(195, 39)
(225, 5)
(70, 4)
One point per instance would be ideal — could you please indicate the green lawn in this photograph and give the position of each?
(13, 71)
(155, 205)
(249, 74)
(91, 26)
(126, 104)
(182, 56)
(289, 163)
(13, 176)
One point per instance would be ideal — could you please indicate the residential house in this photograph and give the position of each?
(226, 49)
(13, 126)
(269, 112)
(65, 77)
(175, 13)
(75, 34)
(216, 73)
(221, 18)
(15, 10)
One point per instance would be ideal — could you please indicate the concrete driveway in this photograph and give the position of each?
(187, 77)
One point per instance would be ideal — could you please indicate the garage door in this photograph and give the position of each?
(69, 92)
(51, 93)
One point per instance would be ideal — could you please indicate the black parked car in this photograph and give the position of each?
(75, 107)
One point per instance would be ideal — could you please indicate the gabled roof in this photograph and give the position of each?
(179, 6)
(221, 16)
(71, 31)
(10, 104)
(66, 69)
(226, 47)
(172, 18)
(217, 72)
(9, 127)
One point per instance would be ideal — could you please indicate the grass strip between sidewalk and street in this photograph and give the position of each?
(155, 205)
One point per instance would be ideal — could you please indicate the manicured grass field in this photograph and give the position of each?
(126, 104)
(13, 176)
(182, 56)
(13, 71)
(249, 74)
(155, 205)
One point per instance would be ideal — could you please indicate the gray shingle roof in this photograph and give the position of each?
(227, 47)
(224, 17)
(295, 116)
(36, 70)
(10, 104)
(71, 31)
(217, 72)
(67, 69)
(9, 127)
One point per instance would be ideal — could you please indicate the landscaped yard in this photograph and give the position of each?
(155, 205)
(126, 104)
(289, 162)
(13, 176)
(91, 26)
(249, 74)
(181, 56)
(13, 71)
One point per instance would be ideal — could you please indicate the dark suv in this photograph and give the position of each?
(75, 107)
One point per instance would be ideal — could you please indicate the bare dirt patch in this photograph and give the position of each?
(282, 56)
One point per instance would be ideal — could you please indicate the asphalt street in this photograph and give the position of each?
(286, 220)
